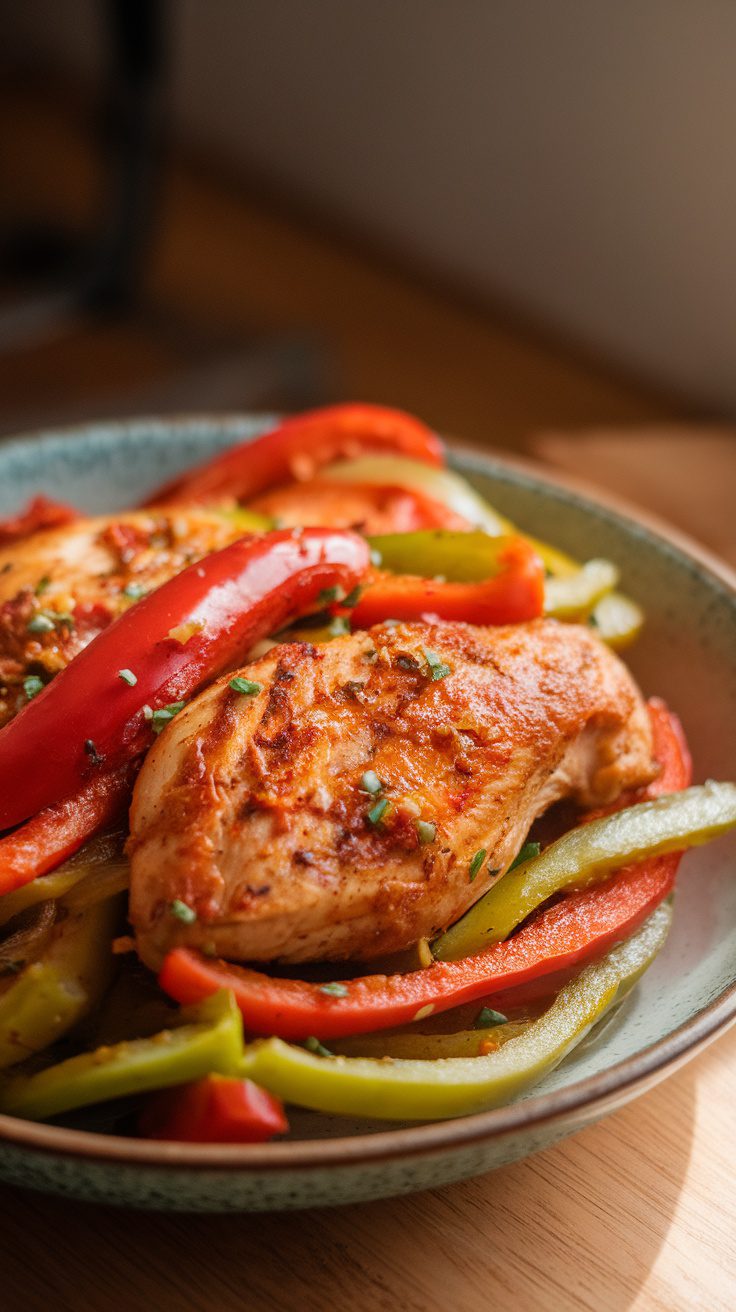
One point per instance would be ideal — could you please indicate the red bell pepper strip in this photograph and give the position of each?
(172, 642)
(577, 929)
(216, 1109)
(513, 595)
(58, 832)
(300, 446)
(40, 513)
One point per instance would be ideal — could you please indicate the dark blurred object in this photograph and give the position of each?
(100, 273)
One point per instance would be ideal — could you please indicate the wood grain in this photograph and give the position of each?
(637, 1212)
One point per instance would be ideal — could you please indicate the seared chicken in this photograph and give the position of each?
(374, 787)
(60, 587)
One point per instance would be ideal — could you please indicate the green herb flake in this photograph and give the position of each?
(437, 667)
(377, 812)
(371, 656)
(528, 851)
(327, 595)
(128, 677)
(426, 831)
(476, 863)
(339, 626)
(134, 591)
(487, 1018)
(182, 911)
(42, 586)
(334, 990)
(370, 783)
(164, 715)
(593, 621)
(32, 686)
(247, 687)
(353, 597)
(40, 623)
(314, 1045)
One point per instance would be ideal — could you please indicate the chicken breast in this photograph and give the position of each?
(262, 812)
(60, 587)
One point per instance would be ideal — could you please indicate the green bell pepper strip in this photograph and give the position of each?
(210, 1040)
(586, 855)
(49, 996)
(423, 1090)
(409, 1044)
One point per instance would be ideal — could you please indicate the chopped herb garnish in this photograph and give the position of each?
(32, 686)
(487, 1018)
(134, 591)
(527, 852)
(314, 1045)
(42, 586)
(437, 667)
(476, 863)
(248, 687)
(376, 557)
(40, 623)
(370, 783)
(147, 712)
(186, 914)
(334, 990)
(95, 757)
(371, 655)
(353, 597)
(128, 677)
(593, 620)
(377, 812)
(426, 831)
(339, 626)
(164, 714)
(327, 595)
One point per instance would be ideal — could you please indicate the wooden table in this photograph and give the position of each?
(638, 1212)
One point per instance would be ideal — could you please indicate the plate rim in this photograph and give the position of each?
(595, 1093)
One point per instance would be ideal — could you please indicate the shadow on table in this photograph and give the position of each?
(577, 1227)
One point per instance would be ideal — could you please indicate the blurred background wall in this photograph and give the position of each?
(575, 160)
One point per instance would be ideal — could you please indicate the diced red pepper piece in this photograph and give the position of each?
(298, 448)
(216, 1109)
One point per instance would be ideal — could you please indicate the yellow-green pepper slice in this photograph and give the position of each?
(430, 1047)
(210, 1041)
(588, 853)
(457, 1086)
(101, 854)
(49, 996)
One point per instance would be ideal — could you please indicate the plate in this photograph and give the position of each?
(687, 654)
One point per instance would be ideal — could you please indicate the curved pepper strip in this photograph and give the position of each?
(576, 930)
(587, 854)
(47, 998)
(424, 1090)
(369, 507)
(210, 1039)
(297, 448)
(59, 831)
(511, 595)
(174, 640)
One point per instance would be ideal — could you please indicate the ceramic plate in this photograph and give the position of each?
(687, 654)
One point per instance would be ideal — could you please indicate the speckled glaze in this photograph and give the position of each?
(687, 654)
